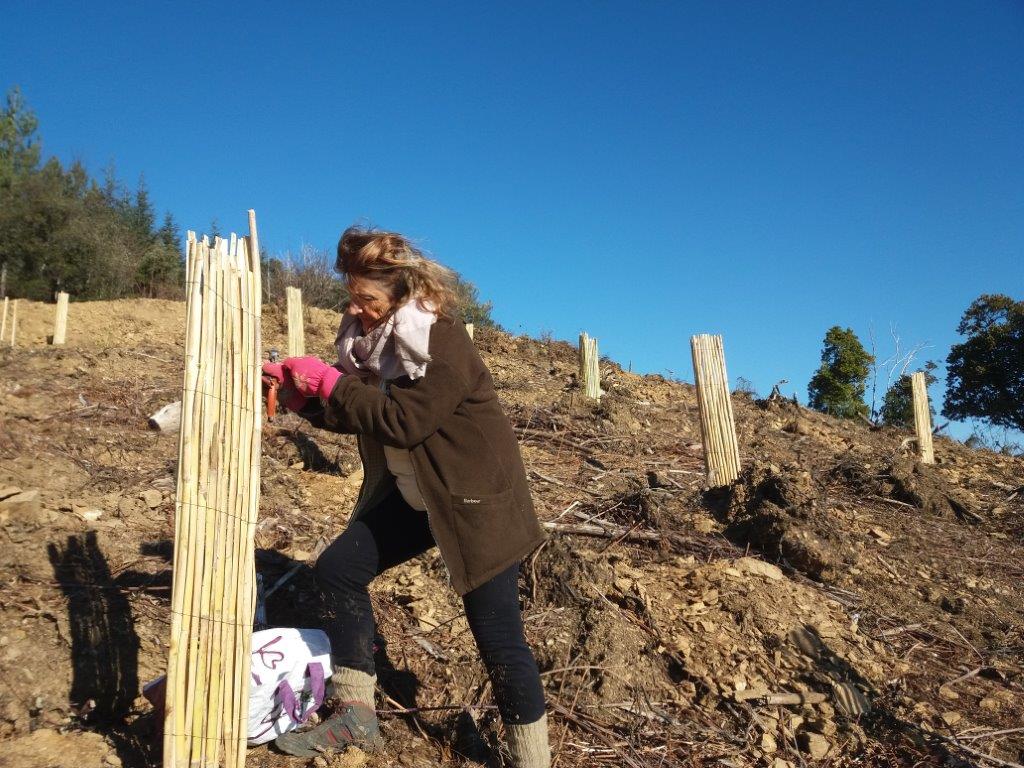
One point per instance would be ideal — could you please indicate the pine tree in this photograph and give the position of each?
(169, 234)
(838, 386)
(19, 145)
(139, 214)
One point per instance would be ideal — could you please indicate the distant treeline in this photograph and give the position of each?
(62, 230)
(984, 375)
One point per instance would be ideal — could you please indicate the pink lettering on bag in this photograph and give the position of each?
(265, 654)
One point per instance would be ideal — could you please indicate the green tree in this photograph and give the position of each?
(471, 309)
(985, 373)
(838, 386)
(139, 214)
(898, 405)
(169, 234)
(61, 230)
(19, 145)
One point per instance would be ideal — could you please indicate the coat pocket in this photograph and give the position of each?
(488, 527)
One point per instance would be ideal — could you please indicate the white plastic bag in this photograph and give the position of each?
(288, 670)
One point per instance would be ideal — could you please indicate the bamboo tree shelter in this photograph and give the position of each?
(717, 427)
(213, 594)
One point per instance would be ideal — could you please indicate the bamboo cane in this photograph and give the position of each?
(256, 266)
(14, 320)
(718, 430)
(3, 323)
(60, 320)
(296, 329)
(922, 418)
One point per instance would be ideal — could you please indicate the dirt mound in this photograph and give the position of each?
(780, 511)
(839, 604)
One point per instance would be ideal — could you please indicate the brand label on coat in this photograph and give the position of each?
(471, 501)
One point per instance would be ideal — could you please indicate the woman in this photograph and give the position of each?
(441, 468)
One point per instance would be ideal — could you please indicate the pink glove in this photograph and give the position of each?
(287, 395)
(311, 376)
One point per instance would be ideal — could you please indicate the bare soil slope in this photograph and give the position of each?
(839, 605)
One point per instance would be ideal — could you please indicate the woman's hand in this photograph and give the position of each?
(311, 376)
(288, 396)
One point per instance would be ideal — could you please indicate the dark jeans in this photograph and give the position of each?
(392, 533)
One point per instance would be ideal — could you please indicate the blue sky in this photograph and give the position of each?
(641, 171)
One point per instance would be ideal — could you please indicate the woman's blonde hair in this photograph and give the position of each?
(392, 259)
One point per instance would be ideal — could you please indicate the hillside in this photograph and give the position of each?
(882, 598)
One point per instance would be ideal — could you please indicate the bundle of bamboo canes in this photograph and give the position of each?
(213, 595)
(60, 320)
(296, 327)
(718, 430)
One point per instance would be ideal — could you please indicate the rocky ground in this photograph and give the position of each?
(838, 605)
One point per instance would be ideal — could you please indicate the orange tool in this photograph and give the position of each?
(272, 386)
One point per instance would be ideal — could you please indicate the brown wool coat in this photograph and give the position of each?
(464, 451)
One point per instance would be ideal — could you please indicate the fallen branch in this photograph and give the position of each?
(775, 699)
(977, 753)
(892, 501)
(555, 481)
(990, 734)
(604, 532)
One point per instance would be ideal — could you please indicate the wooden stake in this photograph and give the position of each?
(718, 430)
(296, 330)
(3, 323)
(590, 377)
(14, 320)
(60, 320)
(922, 418)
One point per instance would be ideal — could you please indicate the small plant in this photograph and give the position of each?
(745, 386)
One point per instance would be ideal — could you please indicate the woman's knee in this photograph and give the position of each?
(347, 564)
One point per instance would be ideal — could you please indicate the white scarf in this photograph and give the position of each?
(396, 347)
